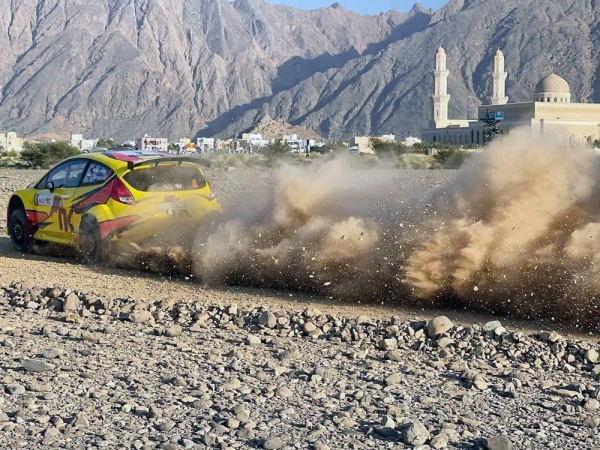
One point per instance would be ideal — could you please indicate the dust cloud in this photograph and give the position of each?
(515, 231)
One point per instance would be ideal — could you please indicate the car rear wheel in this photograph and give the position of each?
(17, 230)
(91, 245)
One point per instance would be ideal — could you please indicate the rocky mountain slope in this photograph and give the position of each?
(389, 91)
(121, 68)
(273, 129)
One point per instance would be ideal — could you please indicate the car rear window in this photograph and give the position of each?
(166, 177)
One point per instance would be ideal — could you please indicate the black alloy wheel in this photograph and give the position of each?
(17, 230)
(91, 245)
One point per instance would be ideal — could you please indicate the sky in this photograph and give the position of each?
(364, 6)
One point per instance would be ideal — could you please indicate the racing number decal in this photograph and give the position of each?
(64, 218)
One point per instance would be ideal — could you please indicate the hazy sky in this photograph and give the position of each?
(364, 6)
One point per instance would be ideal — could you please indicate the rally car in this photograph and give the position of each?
(106, 202)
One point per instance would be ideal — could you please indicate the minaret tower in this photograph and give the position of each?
(440, 95)
(499, 80)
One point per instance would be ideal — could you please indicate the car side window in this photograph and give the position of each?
(75, 173)
(96, 174)
(67, 175)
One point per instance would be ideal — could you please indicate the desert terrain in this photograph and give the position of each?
(120, 359)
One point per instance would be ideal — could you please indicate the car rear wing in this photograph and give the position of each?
(178, 159)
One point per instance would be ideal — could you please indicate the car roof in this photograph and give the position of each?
(115, 156)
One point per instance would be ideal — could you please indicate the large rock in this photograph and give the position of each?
(36, 365)
(499, 443)
(140, 316)
(438, 326)
(415, 434)
(71, 303)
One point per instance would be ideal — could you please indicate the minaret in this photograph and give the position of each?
(499, 80)
(440, 95)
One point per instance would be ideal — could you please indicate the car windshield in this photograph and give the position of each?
(166, 177)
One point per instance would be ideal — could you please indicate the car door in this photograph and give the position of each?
(57, 196)
(92, 191)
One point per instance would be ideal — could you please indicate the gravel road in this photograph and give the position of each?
(108, 358)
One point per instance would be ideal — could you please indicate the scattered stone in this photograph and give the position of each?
(15, 389)
(80, 421)
(71, 303)
(499, 443)
(591, 355)
(36, 365)
(173, 331)
(439, 441)
(273, 443)
(268, 320)
(140, 316)
(415, 434)
(438, 326)
(252, 339)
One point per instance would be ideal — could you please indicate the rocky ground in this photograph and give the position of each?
(108, 358)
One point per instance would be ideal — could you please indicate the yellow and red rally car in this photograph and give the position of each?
(105, 203)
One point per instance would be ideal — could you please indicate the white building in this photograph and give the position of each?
(10, 141)
(255, 140)
(84, 145)
(150, 143)
(205, 145)
(297, 144)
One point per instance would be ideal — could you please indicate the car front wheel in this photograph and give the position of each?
(17, 230)
(91, 245)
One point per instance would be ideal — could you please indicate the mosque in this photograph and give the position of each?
(551, 111)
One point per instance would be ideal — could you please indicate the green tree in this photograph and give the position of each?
(596, 143)
(106, 143)
(173, 147)
(46, 154)
(276, 149)
(383, 147)
(451, 157)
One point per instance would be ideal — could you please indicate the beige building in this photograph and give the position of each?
(363, 143)
(10, 141)
(551, 111)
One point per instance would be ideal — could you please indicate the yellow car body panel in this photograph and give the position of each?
(147, 212)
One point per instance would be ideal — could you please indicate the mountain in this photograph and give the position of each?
(389, 91)
(122, 68)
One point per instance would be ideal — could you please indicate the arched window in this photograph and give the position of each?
(548, 99)
(478, 142)
(472, 136)
(435, 139)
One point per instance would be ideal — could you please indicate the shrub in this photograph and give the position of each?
(106, 143)
(451, 158)
(46, 154)
(388, 148)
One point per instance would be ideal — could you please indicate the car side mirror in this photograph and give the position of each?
(50, 186)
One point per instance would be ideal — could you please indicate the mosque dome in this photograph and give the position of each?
(553, 89)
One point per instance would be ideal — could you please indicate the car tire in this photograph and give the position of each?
(17, 230)
(91, 245)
